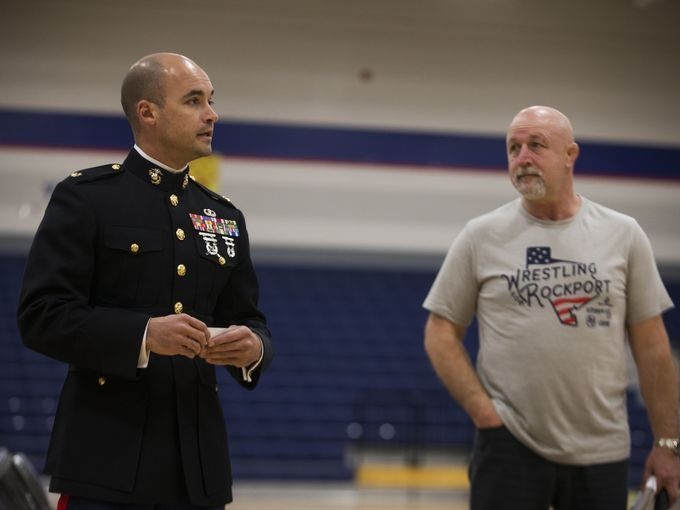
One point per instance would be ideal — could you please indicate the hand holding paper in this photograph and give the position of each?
(236, 345)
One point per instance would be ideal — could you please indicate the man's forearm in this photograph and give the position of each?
(659, 387)
(451, 362)
(658, 375)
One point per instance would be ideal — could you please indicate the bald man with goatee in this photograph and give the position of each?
(559, 284)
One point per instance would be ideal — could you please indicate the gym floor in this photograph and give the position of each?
(341, 496)
(335, 496)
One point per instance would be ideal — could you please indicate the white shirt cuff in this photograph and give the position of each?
(248, 371)
(143, 359)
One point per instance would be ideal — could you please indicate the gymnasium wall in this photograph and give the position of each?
(345, 124)
(358, 137)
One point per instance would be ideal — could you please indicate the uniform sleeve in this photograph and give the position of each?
(454, 292)
(55, 314)
(238, 304)
(646, 295)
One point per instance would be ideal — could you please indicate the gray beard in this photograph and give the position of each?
(534, 191)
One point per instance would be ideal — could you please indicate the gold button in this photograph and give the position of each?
(179, 307)
(101, 381)
(116, 166)
(174, 200)
(180, 234)
(181, 270)
(134, 248)
(221, 260)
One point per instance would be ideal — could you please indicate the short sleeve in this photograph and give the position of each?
(646, 294)
(453, 294)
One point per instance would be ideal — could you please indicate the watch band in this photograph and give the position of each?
(673, 443)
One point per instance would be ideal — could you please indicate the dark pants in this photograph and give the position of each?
(506, 474)
(74, 503)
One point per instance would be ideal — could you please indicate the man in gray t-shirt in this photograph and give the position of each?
(558, 284)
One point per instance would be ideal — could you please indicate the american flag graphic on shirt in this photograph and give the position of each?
(565, 305)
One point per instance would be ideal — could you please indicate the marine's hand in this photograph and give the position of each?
(177, 334)
(237, 346)
(665, 465)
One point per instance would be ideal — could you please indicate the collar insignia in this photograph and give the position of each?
(155, 175)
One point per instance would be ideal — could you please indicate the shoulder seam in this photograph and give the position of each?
(94, 173)
(213, 194)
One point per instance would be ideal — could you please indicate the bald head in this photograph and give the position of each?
(541, 155)
(146, 80)
(168, 101)
(546, 117)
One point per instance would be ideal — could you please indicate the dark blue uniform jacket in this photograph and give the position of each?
(120, 244)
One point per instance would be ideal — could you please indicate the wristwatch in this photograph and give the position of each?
(673, 443)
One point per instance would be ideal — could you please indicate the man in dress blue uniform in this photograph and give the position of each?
(132, 267)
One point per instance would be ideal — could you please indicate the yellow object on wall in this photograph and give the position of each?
(206, 170)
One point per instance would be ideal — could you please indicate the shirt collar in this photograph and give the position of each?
(158, 163)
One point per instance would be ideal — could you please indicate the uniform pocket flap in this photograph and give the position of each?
(133, 240)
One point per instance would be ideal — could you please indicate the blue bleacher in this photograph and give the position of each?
(348, 352)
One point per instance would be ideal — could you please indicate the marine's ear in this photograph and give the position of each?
(147, 112)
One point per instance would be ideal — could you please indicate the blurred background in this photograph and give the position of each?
(358, 137)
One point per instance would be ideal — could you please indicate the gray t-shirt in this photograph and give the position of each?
(552, 301)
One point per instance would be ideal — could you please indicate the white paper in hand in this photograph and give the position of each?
(645, 500)
(216, 331)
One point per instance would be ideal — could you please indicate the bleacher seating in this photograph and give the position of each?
(349, 370)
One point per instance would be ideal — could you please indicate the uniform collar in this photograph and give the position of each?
(155, 173)
(158, 163)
